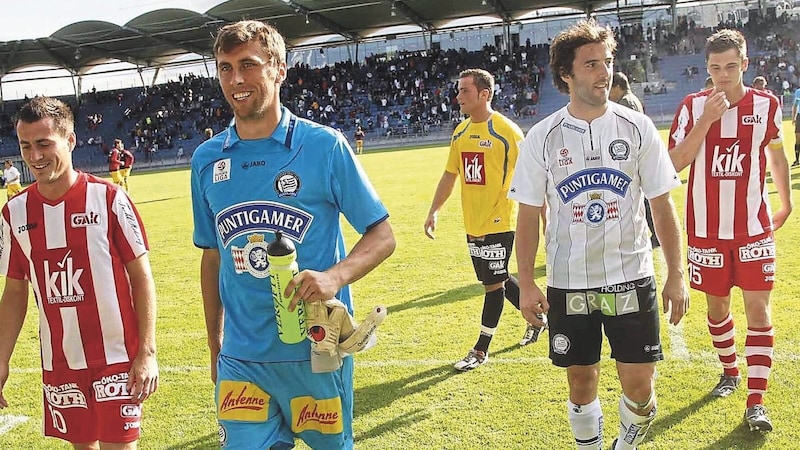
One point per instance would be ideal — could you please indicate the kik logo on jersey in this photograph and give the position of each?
(474, 168)
(727, 160)
(62, 281)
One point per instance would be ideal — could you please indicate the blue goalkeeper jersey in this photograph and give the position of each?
(297, 181)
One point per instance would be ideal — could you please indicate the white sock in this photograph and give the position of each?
(587, 424)
(633, 427)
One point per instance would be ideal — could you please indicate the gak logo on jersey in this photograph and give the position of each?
(474, 168)
(83, 220)
(62, 282)
(727, 161)
(751, 120)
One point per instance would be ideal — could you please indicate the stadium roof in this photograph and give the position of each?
(155, 37)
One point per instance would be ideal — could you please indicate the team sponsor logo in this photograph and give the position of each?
(111, 387)
(223, 436)
(474, 168)
(619, 150)
(630, 435)
(751, 120)
(572, 127)
(496, 265)
(608, 303)
(26, 227)
(474, 136)
(252, 258)
(242, 401)
(600, 178)
(564, 158)
(287, 184)
(222, 170)
(592, 157)
(727, 161)
(257, 163)
(67, 395)
(654, 348)
(561, 344)
(485, 143)
(706, 257)
(62, 281)
(756, 251)
(262, 216)
(493, 252)
(132, 425)
(83, 220)
(768, 267)
(324, 416)
(595, 212)
(129, 411)
(124, 206)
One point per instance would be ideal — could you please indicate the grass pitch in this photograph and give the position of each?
(407, 394)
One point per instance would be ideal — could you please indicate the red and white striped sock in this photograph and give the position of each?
(722, 335)
(758, 349)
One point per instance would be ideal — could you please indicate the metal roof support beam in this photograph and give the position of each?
(322, 20)
(500, 9)
(61, 61)
(412, 15)
(184, 45)
(121, 56)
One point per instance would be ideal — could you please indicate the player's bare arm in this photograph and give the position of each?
(143, 379)
(675, 296)
(531, 299)
(443, 191)
(686, 151)
(779, 169)
(212, 304)
(13, 306)
(372, 249)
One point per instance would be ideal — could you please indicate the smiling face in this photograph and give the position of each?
(47, 153)
(250, 80)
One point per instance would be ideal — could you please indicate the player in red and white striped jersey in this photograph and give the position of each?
(729, 135)
(79, 242)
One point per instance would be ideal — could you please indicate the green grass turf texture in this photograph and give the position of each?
(407, 395)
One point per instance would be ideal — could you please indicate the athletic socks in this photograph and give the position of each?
(492, 309)
(758, 350)
(633, 427)
(512, 291)
(587, 424)
(722, 335)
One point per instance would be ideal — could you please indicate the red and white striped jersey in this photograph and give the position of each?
(727, 195)
(74, 250)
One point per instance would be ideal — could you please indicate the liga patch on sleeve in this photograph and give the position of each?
(324, 416)
(242, 401)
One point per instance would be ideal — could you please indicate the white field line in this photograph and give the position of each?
(678, 347)
(9, 422)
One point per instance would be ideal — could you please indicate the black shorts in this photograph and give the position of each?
(490, 255)
(628, 312)
(797, 124)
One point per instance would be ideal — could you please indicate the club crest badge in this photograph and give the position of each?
(287, 184)
(619, 150)
(595, 212)
(252, 258)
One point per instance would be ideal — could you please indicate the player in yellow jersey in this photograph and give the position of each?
(483, 154)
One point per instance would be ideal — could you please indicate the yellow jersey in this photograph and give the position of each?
(484, 155)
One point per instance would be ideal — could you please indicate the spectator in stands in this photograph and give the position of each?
(208, 133)
(483, 154)
(622, 94)
(82, 244)
(12, 179)
(310, 172)
(359, 140)
(728, 214)
(115, 161)
(796, 123)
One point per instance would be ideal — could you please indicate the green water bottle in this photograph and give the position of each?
(282, 259)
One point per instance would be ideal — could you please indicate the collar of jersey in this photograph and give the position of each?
(282, 133)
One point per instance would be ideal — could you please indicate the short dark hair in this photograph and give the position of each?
(620, 80)
(567, 42)
(42, 107)
(482, 79)
(724, 40)
(242, 32)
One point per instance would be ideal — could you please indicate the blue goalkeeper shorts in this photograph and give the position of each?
(267, 405)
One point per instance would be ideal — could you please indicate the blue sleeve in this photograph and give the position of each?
(204, 232)
(352, 190)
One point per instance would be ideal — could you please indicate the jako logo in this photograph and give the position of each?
(82, 220)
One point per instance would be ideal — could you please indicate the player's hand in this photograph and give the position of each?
(3, 378)
(532, 303)
(312, 286)
(430, 226)
(716, 105)
(675, 298)
(143, 378)
(779, 218)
